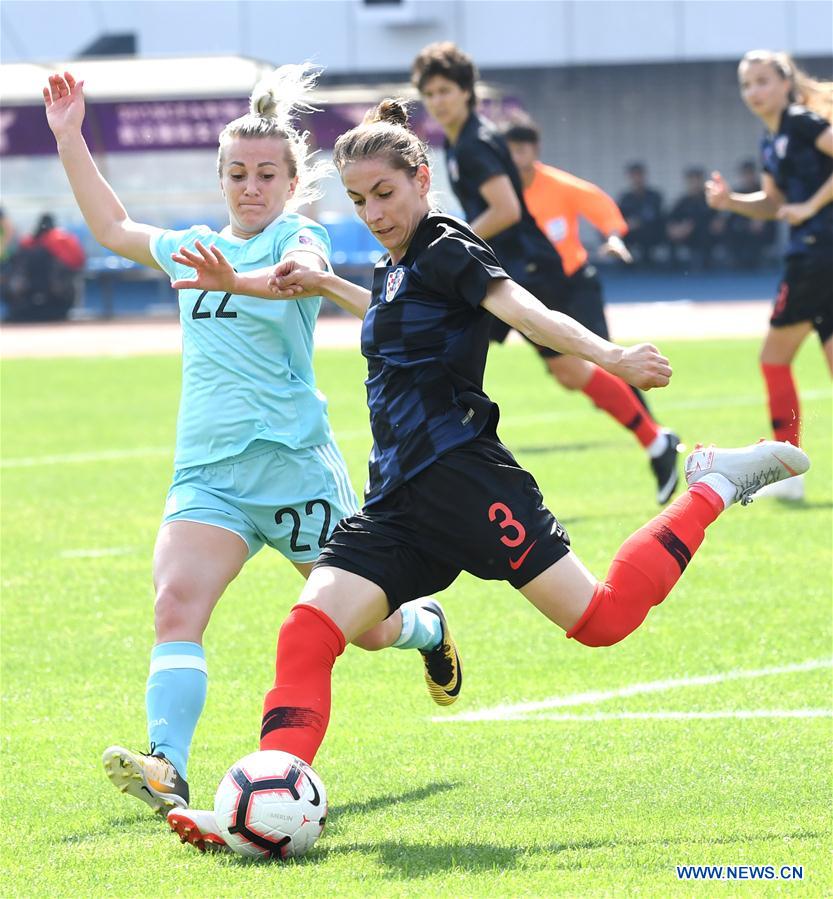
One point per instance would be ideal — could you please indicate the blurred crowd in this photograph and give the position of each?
(689, 234)
(39, 273)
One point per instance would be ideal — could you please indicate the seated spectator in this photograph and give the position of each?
(747, 240)
(692, 226)
(642, 208)
(7, 245)
(42, 279)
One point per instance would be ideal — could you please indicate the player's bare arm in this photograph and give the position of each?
(292, 279)
(102, 210)
(503, 207)
(300, 274)
(763, 204)
(642, 366)
(212, 271)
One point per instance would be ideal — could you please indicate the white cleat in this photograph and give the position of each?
(792, 490)
(197, 827)
(748, 468)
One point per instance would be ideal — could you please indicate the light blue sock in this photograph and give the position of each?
(175, 696)
(421, 629)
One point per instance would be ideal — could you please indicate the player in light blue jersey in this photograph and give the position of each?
(255, 459)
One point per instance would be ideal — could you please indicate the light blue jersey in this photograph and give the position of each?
(246, 362)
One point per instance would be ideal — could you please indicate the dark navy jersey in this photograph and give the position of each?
(425, 338)
(479, 155)
(799, 169)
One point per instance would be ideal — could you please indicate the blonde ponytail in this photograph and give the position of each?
(274, 105)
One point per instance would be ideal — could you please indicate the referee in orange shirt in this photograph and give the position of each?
(556, 199)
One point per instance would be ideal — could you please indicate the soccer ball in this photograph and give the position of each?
(271, 805)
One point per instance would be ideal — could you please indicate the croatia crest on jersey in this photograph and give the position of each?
(453, 169)
(393, 282)
(781, 143)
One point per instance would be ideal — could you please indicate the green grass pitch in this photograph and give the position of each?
(532, 806)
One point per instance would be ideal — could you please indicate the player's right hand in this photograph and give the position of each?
(643, 366)
(64, 101)
(717, 192)
(212, 271)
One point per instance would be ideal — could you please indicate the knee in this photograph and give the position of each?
(566, 377)
(174, 614)
(608, 621)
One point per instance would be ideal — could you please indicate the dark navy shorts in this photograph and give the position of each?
(474, 509)
(806, 294)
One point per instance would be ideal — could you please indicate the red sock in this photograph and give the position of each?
(646, 567)
(614, 396)
(297, 710)
(783, 402)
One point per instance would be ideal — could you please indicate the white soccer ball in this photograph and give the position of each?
(271, 805)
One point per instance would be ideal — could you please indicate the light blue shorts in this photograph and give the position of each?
(289, 498)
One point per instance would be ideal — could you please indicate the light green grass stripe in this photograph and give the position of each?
(116, 455)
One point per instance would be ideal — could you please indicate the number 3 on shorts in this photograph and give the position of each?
(507, 521)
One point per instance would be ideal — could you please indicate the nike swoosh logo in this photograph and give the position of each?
(453, 691)
(515, 564)
(161, 785)
(790, 470)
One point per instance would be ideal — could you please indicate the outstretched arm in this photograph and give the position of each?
(642, 366)
(300, 274)
(212, 271)
(101, 208)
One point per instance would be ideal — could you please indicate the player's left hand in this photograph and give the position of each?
(643, 366)
(795, 213)
(212, 271)
(615, 246)
(292, 279)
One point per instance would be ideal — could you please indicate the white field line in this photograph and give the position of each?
(594, 697)
(682, 716)
(507, 421)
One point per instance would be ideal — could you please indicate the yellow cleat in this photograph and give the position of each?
(151, 778)
(443, 669)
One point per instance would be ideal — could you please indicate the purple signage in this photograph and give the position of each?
(185, 125)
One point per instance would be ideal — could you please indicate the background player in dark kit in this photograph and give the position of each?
(796, 151)
(489, 189)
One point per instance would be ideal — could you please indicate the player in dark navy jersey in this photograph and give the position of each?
(797, 155)
(490, 190)
(445, 494)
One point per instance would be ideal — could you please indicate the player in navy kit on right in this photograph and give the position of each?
(797, 151)
(489, 188)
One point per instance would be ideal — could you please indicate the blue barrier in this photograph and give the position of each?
(353, 244)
